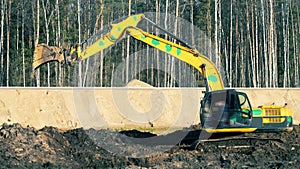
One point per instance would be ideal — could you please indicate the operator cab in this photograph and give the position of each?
(225, 109)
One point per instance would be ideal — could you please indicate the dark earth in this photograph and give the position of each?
(27, 147)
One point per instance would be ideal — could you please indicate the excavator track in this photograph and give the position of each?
(233, 143)
(198, 140)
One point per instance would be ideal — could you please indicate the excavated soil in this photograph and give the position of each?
(27, 147)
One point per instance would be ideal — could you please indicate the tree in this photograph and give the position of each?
(128, 47)
(272, 45)
(285, 48)
(58, 69)
(37, 37)
(79, 40)
(3, 4)
(8, 41)
(265, 45)
(176, 29)
(295, 44)
(166, 68)
(47, 22)
(256, 42)
(231, 45)
(100, 16)
(23, 43)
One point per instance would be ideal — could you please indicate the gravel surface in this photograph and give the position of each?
(27, 147)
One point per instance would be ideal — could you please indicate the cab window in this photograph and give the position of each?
(243, 100)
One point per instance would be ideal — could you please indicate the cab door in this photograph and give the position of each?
(241, 115)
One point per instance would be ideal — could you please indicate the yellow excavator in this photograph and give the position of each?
(222, 110)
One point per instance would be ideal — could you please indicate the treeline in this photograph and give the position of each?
(254, 43)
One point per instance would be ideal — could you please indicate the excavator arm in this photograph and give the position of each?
(44, 53)
(185, 54)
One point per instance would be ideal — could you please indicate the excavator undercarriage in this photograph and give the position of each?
(236, 142)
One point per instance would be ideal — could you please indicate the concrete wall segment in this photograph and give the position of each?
(126, 108)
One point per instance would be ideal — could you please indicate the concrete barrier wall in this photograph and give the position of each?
(161, 109)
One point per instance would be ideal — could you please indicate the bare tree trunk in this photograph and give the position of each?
(79, 40)
(172, 80)
(237, 48)
(249, 39)
(242, 57)
(47, 37)
(193, 43)
(298, 52)
(219, 35)
(23, 43)
(58, 67)
(112, 75)
(3, 4)
(87, 62)
(166, 68)
(254, 55)
(8, 42)
(231, 43)
(135, 63)
(272, 59)
(226, 57)
(217, 3)
(157, 9)
(265, 45)
(101, 53)
(148, 53)
(284, 48)
(37, 38)
(209, 29)
(128, 48)
(296, 48)
(275, 58)
(18, 35)
(288, 47)
(257, 50)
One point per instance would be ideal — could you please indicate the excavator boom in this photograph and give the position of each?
(187, 54)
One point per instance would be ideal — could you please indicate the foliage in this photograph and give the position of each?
(243, 31)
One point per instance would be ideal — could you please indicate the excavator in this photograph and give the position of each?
(222, 110)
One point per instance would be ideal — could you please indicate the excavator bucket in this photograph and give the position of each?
(44, 53)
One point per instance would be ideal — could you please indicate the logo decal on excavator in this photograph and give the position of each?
(143, 37)
(168, 48)
(112, 37)
(212, 78)
(155, 42)
(101, 43)
(178, 51)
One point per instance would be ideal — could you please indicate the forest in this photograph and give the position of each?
(253, 43)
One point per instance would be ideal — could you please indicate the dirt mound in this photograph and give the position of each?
(26, 147)
(137, 83)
